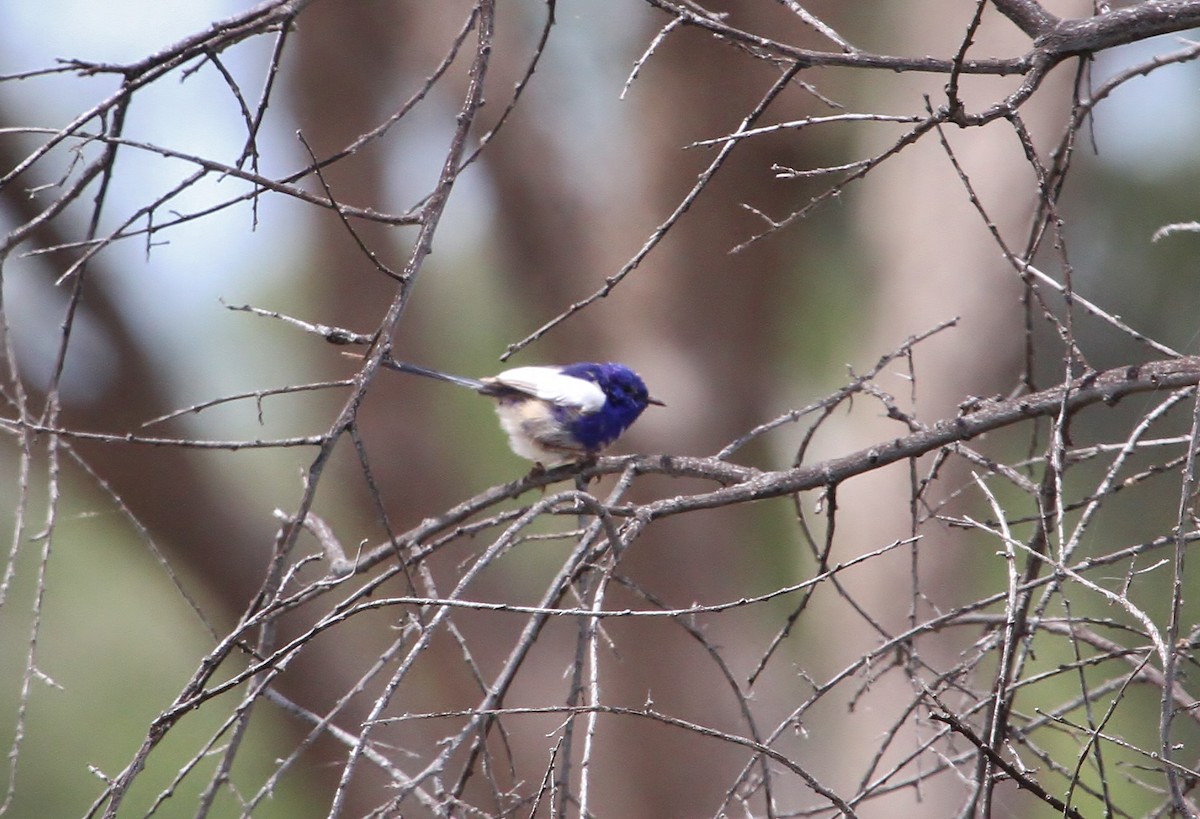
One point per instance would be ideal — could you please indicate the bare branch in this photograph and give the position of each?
(498, 649)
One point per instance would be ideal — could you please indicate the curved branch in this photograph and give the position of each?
(1088, 35)
(1028, 15)
(1109, 387)
(1053, 39)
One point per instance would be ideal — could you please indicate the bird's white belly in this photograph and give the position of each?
(534, 433)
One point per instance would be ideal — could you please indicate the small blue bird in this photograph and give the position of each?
(556, 414)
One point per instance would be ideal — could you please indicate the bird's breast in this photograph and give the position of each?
(537, 430)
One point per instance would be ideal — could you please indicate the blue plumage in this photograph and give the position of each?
(626, 396)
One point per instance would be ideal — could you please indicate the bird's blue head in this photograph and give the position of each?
(626, 396)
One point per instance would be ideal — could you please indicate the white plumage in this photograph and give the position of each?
(549, 384)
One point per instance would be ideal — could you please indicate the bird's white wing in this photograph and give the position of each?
(548, 384)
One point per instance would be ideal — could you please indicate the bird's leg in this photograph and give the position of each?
(582, 480)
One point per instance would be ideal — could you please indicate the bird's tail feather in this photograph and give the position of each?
(405, 367)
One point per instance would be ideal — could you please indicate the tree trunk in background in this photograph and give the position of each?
(705, 323)
(933, 259)
(700, 324)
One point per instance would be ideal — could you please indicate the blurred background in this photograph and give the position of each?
(572, 187)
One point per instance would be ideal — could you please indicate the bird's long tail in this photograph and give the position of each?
(405, 367)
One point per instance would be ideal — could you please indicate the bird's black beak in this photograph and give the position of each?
(656, 402)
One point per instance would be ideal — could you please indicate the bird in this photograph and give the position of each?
(556, 414)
